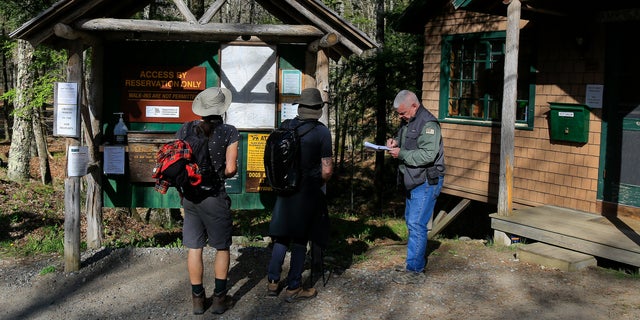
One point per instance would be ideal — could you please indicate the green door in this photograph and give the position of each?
(620, 179)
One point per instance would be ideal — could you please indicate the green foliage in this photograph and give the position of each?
(355, 93)
(16, 12)
(47, 270)
(133, 239)
(175, 244)
(50, 240)
(252, 224)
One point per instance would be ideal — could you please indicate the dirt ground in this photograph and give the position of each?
(465, 280)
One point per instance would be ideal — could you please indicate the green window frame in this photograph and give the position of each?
(472, 69)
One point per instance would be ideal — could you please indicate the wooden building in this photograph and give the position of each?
(576, 111)
(150, 71)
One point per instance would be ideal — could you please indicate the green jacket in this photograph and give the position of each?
(421, 147)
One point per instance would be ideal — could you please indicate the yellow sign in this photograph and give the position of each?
(255, 179)
(255, 151)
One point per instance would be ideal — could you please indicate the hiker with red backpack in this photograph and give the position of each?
(301, 216)
(207, 207)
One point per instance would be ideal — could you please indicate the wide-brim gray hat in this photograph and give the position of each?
(212, 101)
(311, 98)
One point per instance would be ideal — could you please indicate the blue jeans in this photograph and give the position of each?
(296, 264)
(418, 210)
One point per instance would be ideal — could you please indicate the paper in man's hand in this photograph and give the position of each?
(375, 146)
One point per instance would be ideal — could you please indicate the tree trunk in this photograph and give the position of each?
(91, 120)
(6, 105)
(19, 151)
(381, 108)
(41, 144)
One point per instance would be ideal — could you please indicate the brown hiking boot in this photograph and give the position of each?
(219, 303)
(300, 294)
(198, 302)
(273, 288)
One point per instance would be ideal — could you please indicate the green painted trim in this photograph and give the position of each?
(461, 3)
(604, 128)
(631, 124)
(443, 105)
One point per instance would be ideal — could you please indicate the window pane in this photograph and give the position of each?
(476, 78)
(495, 109)
(468, 89)
(478, 109)
(521, 110)
(454, 89)
(466, 106)
(453, 108)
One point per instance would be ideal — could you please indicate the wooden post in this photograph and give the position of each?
(72, 184)
(71, 224)
(92, 119)
(91, 124)
(322, 82)
(505, 195)
(310, 67)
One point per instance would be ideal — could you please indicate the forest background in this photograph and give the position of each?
(362, 89)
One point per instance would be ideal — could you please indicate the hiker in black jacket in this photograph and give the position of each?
(302, 216)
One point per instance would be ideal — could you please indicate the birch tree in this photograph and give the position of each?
(19, 154)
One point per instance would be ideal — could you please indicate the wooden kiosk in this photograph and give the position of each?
(151, 70)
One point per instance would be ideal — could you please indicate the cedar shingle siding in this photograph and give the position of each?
(545, 172)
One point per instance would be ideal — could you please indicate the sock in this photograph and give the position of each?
(197, 289)
(221, 286)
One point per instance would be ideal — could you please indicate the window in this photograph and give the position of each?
(472, 72)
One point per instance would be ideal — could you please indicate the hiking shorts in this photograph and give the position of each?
(208, 222)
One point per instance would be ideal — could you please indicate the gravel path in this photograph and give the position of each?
(465, 280)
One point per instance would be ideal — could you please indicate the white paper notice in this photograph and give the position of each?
(67, 93)
(291, 82)
(289, 111)
(66, 109)
(114, 159)
(162, 112)
(78, 161)
(593, 96)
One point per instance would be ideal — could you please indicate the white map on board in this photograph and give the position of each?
(250, 73)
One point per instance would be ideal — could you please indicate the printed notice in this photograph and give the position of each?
(162, 112)
(78, 161)
(66, 115)
(114, 159)
(291, 82)
(288, 111)
(593, 96)
(67, 93)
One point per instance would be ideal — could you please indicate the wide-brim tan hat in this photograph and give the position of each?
(310, 97)
(212, 101)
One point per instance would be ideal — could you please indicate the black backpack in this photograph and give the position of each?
(282, 157)
(186, 165)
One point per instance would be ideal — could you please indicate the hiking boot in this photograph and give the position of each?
(300, 294)
(409, 277)
(400, 268)
(219, 303)
(198, 302)
(273, 288)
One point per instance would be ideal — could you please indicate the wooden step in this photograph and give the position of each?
(555, 257)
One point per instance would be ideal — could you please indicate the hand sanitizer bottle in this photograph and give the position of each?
(120, 130)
